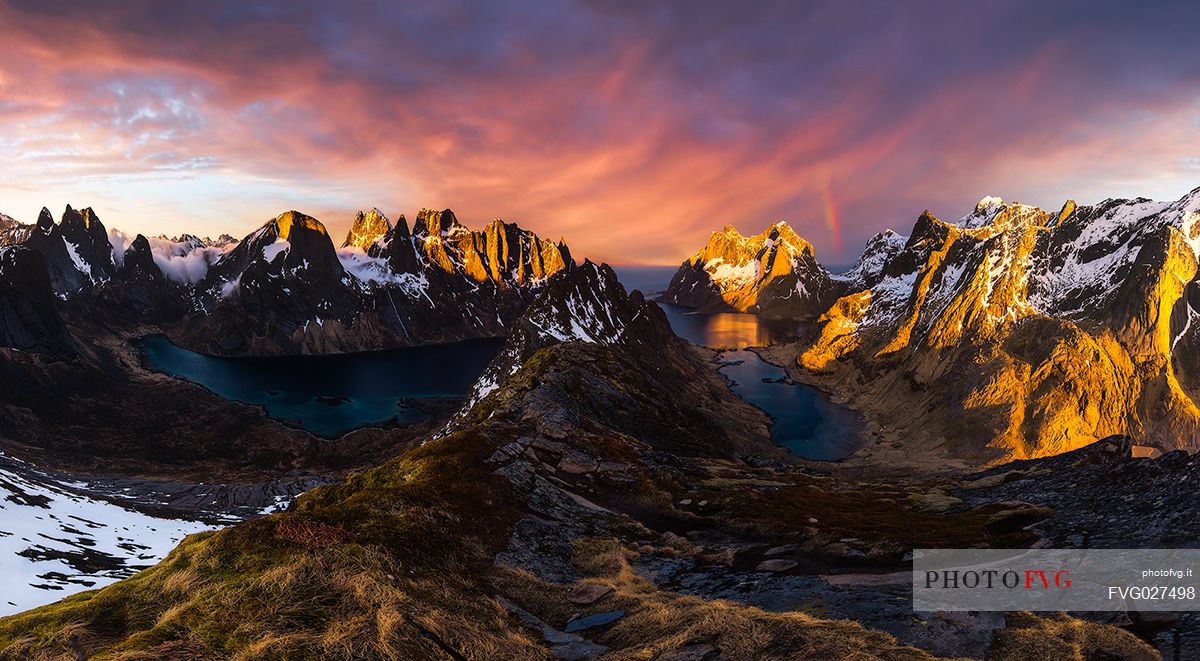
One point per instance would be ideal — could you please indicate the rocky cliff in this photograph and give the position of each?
(1018, 332)
(774, 274)
(29, 319)
(367, 229)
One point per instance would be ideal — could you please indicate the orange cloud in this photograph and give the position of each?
(632, 134)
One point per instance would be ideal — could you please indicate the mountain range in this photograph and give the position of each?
(1012, 333)
(285, 288)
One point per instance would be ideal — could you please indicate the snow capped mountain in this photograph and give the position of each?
(1067, 326)
(774, 274)
(87, 242)
(285, 289)
(368, 229)
(881, 249)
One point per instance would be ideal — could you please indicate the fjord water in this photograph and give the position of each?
(329, 395)
(804, 420)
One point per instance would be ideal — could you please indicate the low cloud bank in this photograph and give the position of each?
(185, 262)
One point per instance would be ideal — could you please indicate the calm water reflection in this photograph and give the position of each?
(329, 395)
(733, 330)
(805, 421)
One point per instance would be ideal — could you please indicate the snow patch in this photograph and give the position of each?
(271, 251)
(733, 276)
(43, 522)
(77, 259)
(376, 271)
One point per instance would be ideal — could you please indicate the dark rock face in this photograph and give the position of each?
(29, 320)
(140, 260)
(397, 248)
(1102, 496)
(66, 277)
(89, 239)
(138, 292)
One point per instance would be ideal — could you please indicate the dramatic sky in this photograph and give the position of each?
(633, 129)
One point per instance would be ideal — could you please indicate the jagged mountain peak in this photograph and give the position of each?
(879, 252)
(988, 202)
(738, 272)
(368, 229)
(139, 255)
(993, 213)
(87, 242)
(778, 229)
(12, 231)
(1065, 212)
(84, 218)
(45, 221)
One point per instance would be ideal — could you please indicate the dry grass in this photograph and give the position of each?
(380, 567)
(1029, 636)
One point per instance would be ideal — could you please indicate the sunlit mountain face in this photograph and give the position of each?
(585, 330)
(634, 131)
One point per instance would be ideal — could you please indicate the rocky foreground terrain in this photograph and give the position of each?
(603, 494)
(1014, 333)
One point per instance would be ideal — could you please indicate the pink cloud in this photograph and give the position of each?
(631, 135)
